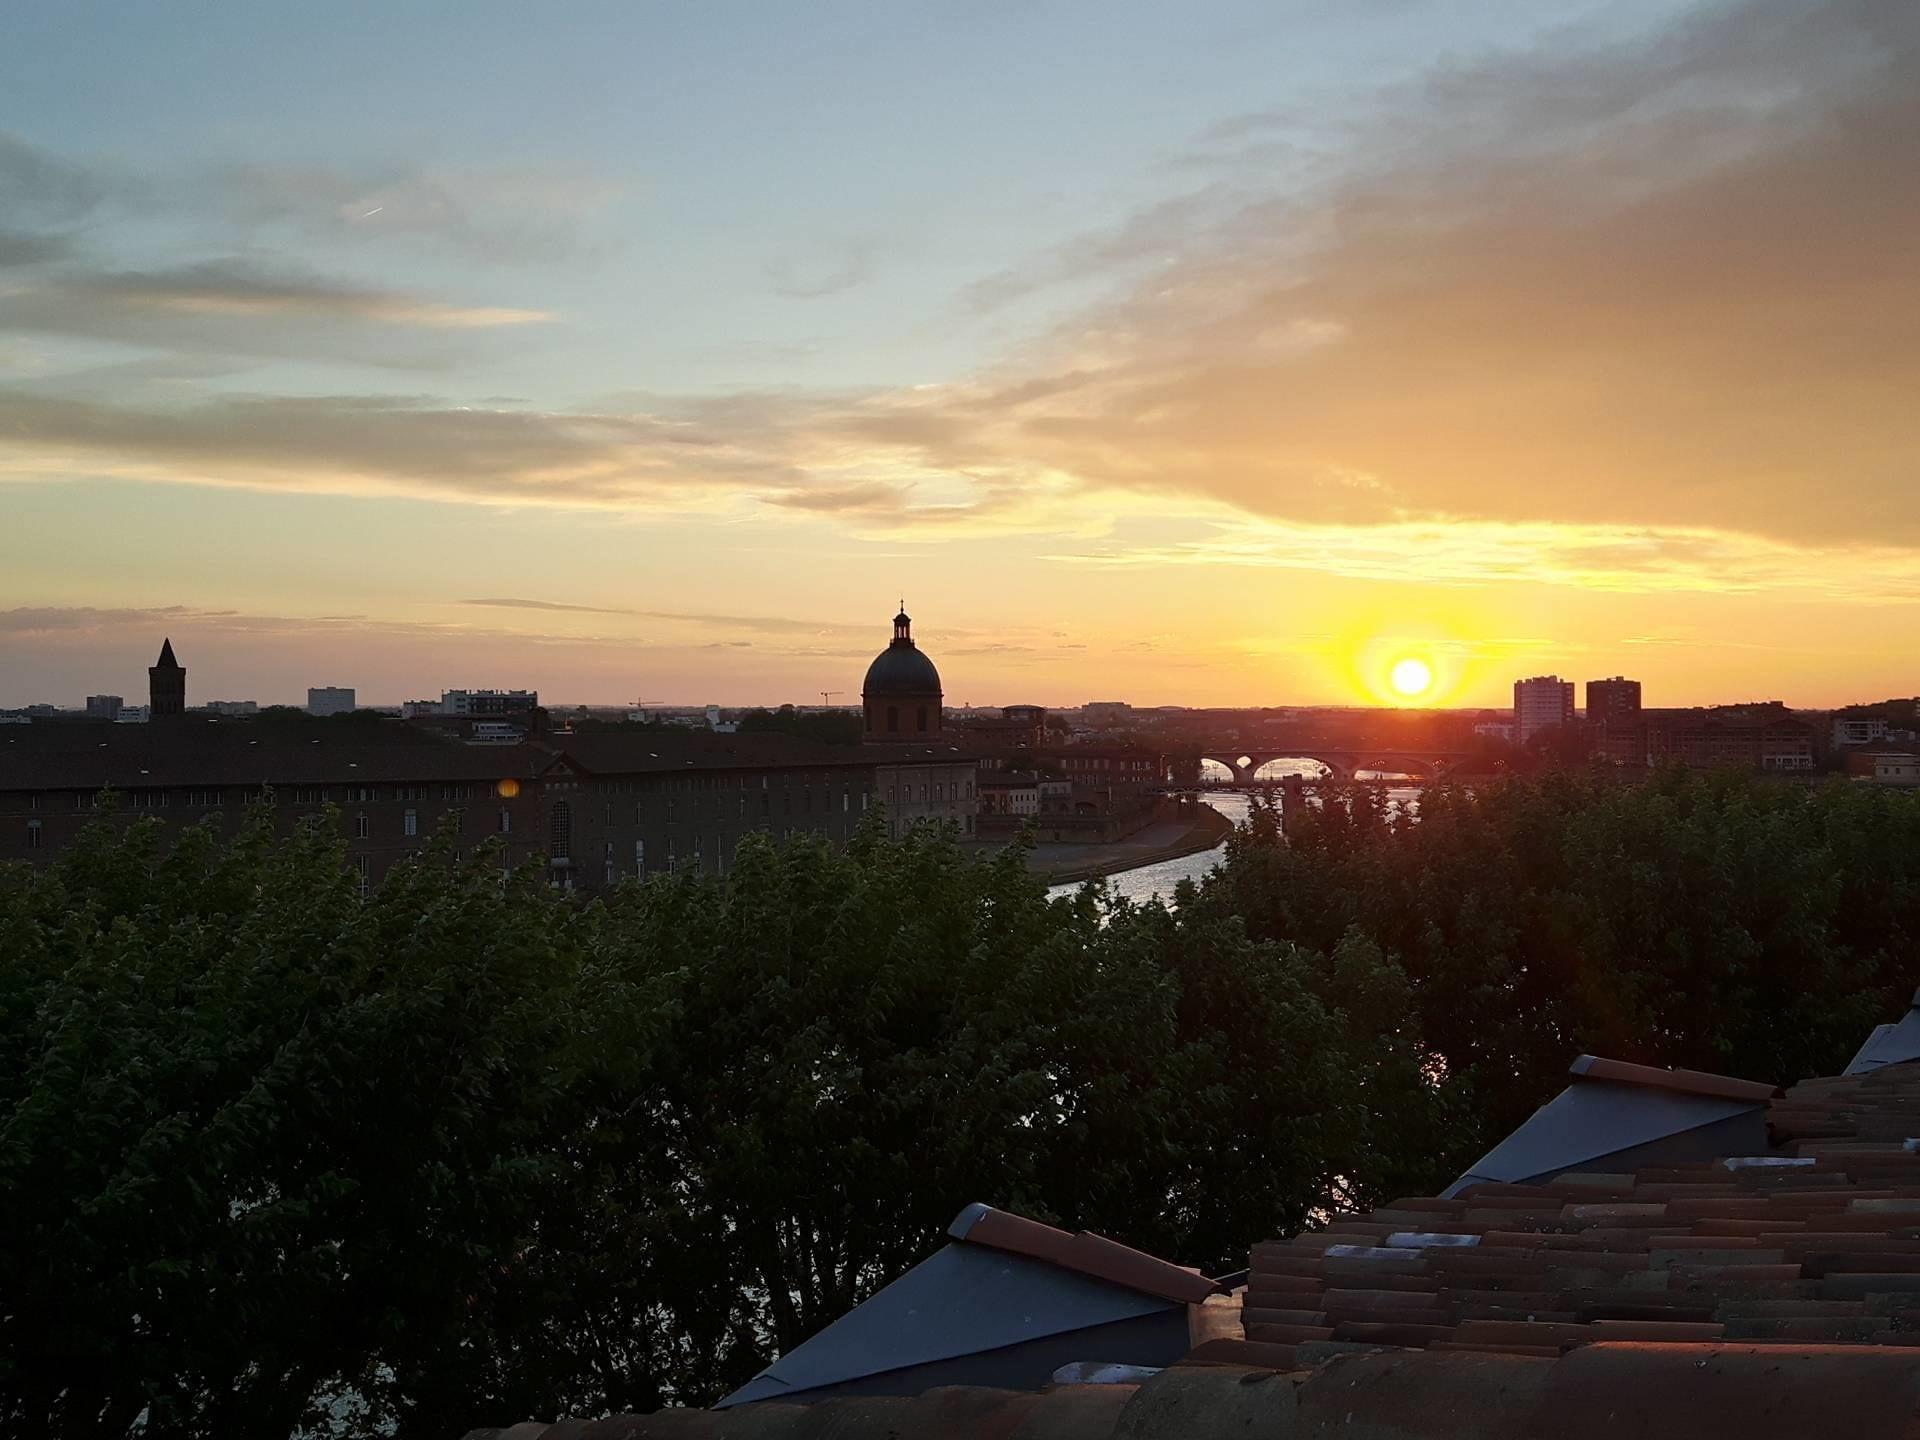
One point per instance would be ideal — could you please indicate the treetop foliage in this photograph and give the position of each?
(275, 1158)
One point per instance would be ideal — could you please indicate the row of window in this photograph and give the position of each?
(940, 791)
(214, 798)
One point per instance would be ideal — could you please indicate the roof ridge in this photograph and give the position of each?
(1082, 1251)
(1686, 1082)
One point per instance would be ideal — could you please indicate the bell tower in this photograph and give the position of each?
(166, 685)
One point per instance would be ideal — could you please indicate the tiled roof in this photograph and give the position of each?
(1769, 1293)
(1815, 1239)
(93, 756)
(643, 752)
(1091, 1255)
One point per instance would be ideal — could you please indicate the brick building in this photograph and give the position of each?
(1741, 737)
(392, 784)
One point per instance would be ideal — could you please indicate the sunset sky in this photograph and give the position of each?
(1203, 353)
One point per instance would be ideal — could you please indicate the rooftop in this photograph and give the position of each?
(1769, 1288)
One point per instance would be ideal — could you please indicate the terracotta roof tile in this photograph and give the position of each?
(1090, 1254)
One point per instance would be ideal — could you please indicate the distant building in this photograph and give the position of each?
(1009, 793)
(232, 707)
(133, 715)
(1741, 737)
(1494, 729)
(901, 696)
(717, 725)
(105, 707)
(330, 699)
(1105, 712)
(1613, 715)
(1614, 700)
(1016, 727)
(166, 685)
(1540, 703)
(462, 710)
(1848, 730)
(1896, 767)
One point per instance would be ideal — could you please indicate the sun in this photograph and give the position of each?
(1411, 678)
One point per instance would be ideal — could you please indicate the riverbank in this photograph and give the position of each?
(1163, 840)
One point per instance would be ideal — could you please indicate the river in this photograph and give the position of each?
(1146, 881)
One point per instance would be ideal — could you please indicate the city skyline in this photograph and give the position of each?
(1227, 357)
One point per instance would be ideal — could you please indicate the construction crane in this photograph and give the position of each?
(826, 699)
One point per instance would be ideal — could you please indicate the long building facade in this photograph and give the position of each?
(601, 806)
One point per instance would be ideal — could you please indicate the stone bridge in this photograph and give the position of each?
(1341, 763)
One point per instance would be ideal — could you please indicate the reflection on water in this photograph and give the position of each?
(1147, 881)
(1159, 879)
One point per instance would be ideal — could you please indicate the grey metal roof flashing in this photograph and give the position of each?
(1003, 1282)
(1616, 1115)
(1894, 1044)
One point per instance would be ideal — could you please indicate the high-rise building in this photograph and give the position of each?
(329, 699)
(1540, 703)
(105, 707)
(232, 707)
(1612, 702)
(1613, 716)
(166, 684)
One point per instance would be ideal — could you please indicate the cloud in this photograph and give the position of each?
(38, 188)
(1665, 281)
(24, 247)
(765, 624)
(505, 215)
(512, 604)
(814, 278)
(1614, 558)
(1636, 315)
(492, 214)
(239, 306)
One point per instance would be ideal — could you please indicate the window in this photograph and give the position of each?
(610, 875)
(410, 823)
(889, 794)
(846, 802)
(362, 864)
(893, 718)
(506, 819)
(203, 799)
(309, 794)
(939, 792)
(362, 794)
(639, 857)
(33, 834)
(410, 792)
(923, 717)
(360, 828)
(560, 831)
(33, 802)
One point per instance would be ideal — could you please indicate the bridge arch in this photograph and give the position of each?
(1244, 765)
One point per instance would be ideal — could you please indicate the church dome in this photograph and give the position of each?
(903, 667)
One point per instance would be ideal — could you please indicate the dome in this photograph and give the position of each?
(902, 668)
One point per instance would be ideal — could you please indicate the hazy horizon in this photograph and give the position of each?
(1220, 355)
